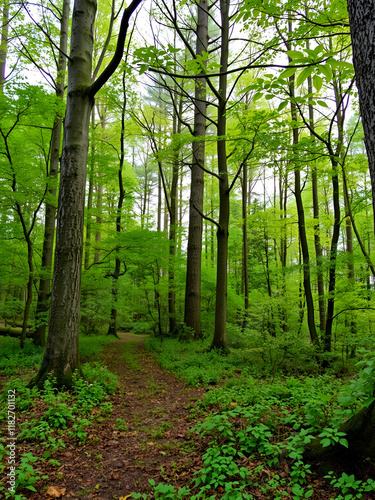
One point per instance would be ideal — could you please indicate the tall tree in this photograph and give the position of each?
(362, 26)
(61, 357)
(192, 316)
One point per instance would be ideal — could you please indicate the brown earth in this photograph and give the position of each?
(155, 407)
(151, 441)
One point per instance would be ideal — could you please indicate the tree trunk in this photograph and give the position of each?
(337, 216)
(112, 329)
(360, 435)
(61, 357)
(362, 27)
(301, 225)
(90, 195)
(4, 42)
(219, 338)
(194, 250)
(245, 262)
(317, 242)
(50, 209)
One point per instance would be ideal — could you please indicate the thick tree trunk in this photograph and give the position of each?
(362, 27)
(61, 358)
(50, 209)
(360, 435)
(194, 251)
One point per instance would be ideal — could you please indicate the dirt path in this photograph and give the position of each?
(155, 408)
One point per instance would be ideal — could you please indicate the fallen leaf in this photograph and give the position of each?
(55, 492)
(125, 498)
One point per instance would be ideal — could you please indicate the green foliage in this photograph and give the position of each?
(349, 486)
(25, 474)
(13, 358)
(78, 429)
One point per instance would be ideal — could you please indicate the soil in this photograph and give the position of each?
(156, 409)
(153, 439)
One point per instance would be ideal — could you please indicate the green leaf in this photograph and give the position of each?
(317, 82)
(325, 442)
(305, 73)
(322, 103)
(257, 96)
(288, 72)
(294, 54)
(143, 68)
(282, 105)
(326, 70)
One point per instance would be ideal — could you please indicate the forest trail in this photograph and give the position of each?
(151, 440)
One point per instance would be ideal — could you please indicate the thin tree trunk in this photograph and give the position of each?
(245, 262)
(301, 223)
(4, 42)
(219, 338)
(317, 242)
(112, 329)
(90, 196)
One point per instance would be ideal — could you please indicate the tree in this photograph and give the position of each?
(192, 316)
(362, 25)
(61, 358)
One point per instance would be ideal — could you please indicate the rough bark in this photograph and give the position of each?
(362, 27)
(194, 250)
(50, 207)
(359, 432)
(219, 338)
(61, 358)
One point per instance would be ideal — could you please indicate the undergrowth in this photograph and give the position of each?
(257, 423)
(14, 360)
(64, 415)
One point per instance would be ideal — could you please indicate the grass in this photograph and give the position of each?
(14, 360)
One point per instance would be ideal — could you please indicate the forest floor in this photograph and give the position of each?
(146, 436)
(113, 462)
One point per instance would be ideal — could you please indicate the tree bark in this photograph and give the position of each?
(317, 242)
(301, 225)
(219, 338)
(112, 329)
(194, 250)
(359, 432)
(61, 357)
(362, 27)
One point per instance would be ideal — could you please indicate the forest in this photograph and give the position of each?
(187, 252)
